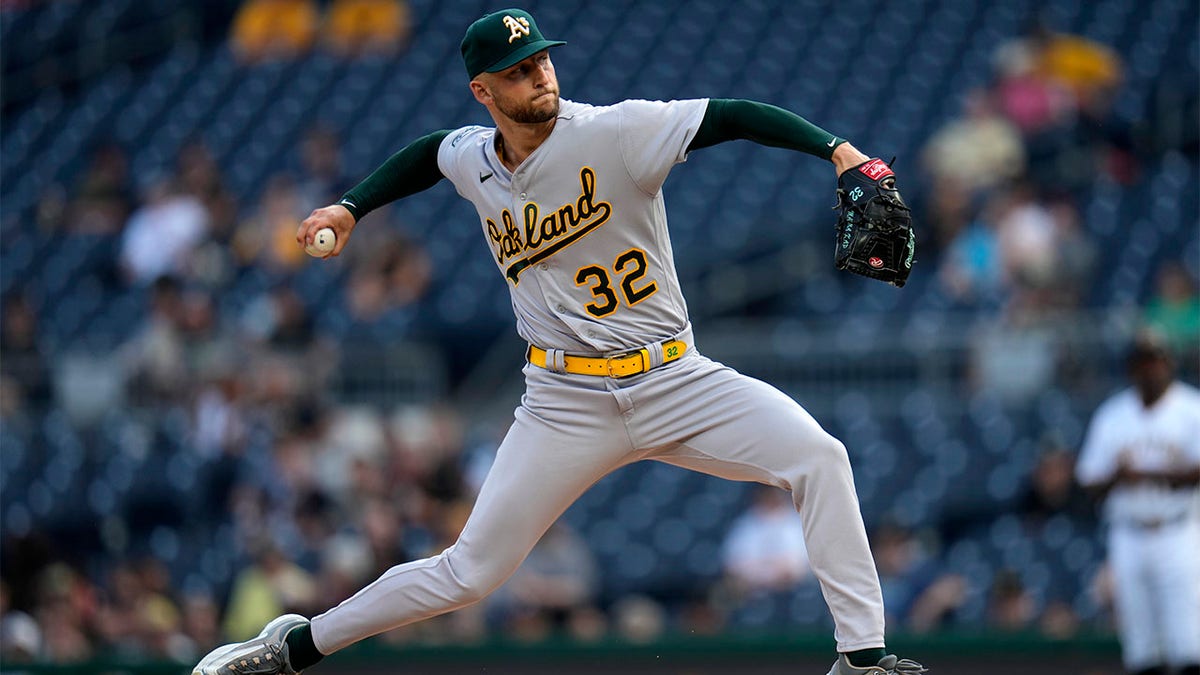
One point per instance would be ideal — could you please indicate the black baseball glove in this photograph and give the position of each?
(874, 228)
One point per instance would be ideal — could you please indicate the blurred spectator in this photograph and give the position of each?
(638, 619)
(345, 567)
(162, 232)
(271, 586)
(51, 212)
(1052, 489)
(208, 344)
(315, 520)
(219, 424)
(1022, 252)
(947, 211)
(1026, 234)
(1174, 311)
(142, 619)
(322, 180)
(1059, 621)
(394, 276)
(292, 460)
(1014, 358)
(764, 549)
(200, 176)
(1010, 606)
(972, 269)
(268, 238)
(1088, 69)
(21, 358)
(160, 627)
(362, 27)
(13, 412)
(553, 591)
(350, 456)
(211, 262)
(65, 613)
(180, 340)
(979, 151)
(282, 320)
(153, 357)
(1046, 263)
(20, 637)
(1059, 89)
(1102, 594)
(1075, 256)
(384, 533)
(918, 595)
(1024, 95)
(201, 621)
(119, 608)
(104, 196)
(265, 30)
(427, 450)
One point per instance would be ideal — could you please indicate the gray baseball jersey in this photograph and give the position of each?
(579, 230)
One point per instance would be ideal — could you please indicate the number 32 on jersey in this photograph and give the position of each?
(629, 267)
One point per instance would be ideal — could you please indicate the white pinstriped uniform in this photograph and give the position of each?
(1154, 530)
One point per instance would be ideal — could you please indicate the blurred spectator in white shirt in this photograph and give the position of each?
(764, 549)
(978, 151)
(161, 233)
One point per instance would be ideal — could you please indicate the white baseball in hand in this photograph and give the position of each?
(322, 244)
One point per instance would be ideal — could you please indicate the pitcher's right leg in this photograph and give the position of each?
(549, 457)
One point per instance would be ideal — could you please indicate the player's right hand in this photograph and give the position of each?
(336, 217)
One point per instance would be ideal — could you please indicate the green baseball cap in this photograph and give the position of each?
(500, 40)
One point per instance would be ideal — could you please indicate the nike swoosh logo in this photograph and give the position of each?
(830, 143)
(483, 177)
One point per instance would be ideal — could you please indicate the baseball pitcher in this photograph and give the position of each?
(570, 202)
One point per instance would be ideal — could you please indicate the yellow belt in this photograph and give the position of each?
(624, 365)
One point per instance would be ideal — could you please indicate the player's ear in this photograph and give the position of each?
(481, 91)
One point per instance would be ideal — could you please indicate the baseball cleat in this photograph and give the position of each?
(266, 654)
(888, 665)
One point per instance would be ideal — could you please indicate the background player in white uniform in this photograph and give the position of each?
(1142, 452)
(570, 202)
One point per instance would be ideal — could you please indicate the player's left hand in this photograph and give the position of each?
(874, 228)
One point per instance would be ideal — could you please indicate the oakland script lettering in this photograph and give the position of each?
(554, 231)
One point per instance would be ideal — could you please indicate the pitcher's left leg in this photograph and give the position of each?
(736, 427)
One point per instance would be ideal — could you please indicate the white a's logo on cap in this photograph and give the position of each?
(519, 27)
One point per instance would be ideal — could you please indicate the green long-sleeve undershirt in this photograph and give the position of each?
(415, 167)
(732, 119)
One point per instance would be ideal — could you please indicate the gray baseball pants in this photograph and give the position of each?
(572, 430)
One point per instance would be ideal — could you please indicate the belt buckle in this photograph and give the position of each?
(609, 364)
